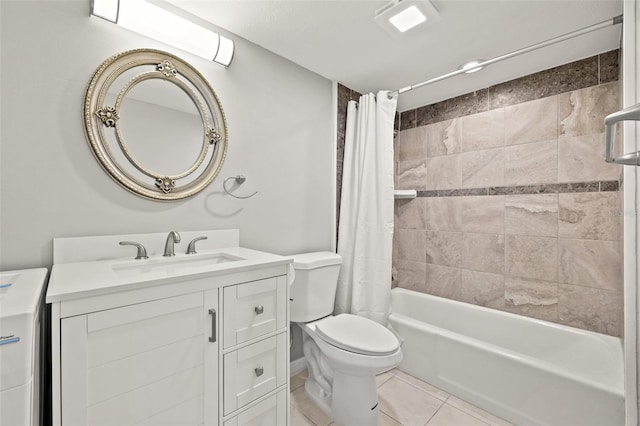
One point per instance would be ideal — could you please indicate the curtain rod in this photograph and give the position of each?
(604, 24)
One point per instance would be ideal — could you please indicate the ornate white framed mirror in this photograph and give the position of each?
(154, 124)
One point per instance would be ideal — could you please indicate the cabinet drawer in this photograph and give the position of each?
(254, 309)
(271, 411)
(254, 371)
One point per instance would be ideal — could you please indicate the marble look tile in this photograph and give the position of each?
(405, 403)
(411, 213)
(482, 288)
(482, 168)
(444, 248)
(565, 188)
(383, 377)
(298, 379)
(531, 163)
(483, 214)
(531, 298)
(299, 419)
(564, 78)
(442, 281)
(591, 309)
(590, 263)
(590, 216)
(411, 245)
(385, 420)
(444, 213)
(469, 103)
(408, 119)
(532, 214)
(443, 138)
(483, 130)
(394, 273)
(609, 185)
(532, 121)
(411, 275)
(448, 415)
(582, 112)
(444, 172)
(301, 401)
(609, 66)
(483, 252)
(412, 174)
(477, 412)
(412, 144)
(424, 386)
(532, 257)
(581, 159)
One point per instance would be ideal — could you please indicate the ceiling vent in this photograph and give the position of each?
(401, 17)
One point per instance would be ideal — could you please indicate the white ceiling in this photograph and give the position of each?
(340, 40)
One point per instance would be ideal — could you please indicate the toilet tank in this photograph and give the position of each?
(313, 291)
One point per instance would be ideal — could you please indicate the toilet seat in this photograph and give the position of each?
(357, 334)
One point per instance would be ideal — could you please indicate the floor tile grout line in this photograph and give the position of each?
(420, 389)
(474, 415)
(438, 410)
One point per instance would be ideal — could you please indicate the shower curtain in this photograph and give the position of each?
(365, 233)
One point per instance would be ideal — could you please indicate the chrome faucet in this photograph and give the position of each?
(172, 238)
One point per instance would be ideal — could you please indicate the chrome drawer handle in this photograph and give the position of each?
(5, 340)
(259, 309)
(259, 371)
(213, 336)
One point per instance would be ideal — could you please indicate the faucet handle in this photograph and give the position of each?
(142, 252)
(191, 249)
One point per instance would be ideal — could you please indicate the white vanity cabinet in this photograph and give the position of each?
(199, 349)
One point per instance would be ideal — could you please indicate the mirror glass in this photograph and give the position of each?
(161, 126)
(155, 124)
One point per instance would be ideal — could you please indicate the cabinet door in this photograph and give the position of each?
(211, 357)
(138, 364)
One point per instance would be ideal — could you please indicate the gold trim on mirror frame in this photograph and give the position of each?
(117, 160)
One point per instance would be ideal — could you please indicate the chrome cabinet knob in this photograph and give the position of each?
(259, 371)
(259, 309)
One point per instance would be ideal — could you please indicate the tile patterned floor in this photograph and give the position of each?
(404, 401)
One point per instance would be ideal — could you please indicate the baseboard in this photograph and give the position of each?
(297, 365)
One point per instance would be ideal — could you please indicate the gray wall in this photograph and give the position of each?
(280, 120)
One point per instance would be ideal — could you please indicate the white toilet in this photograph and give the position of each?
(343, 352)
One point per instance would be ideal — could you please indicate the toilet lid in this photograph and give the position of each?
(357, 334)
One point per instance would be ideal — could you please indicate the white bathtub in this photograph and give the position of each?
(524, 370)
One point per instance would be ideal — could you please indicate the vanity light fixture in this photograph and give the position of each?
(400, 16)
(148, 19)
(471, 66)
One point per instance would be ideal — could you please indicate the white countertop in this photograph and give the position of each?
(93, 278)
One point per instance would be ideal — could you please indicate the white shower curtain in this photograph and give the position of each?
(365, 233)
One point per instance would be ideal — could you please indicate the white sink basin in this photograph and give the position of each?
(171, 265)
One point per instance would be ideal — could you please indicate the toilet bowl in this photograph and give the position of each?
(343, 352)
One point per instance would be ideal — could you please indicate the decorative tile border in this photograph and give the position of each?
(598, 69)
(551, 188)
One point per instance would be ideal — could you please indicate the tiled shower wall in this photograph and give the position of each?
(516, 208)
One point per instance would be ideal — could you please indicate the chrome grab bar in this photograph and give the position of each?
(631, 113)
